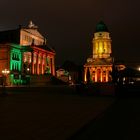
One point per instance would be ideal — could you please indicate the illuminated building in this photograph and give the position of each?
(99, 66)
(24, 52)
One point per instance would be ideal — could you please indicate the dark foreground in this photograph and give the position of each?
(60, 113)
(47, 113)
(121, 121)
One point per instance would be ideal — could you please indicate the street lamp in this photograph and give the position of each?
(5, 72)
(28, 69)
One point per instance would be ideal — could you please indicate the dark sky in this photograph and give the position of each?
(69, 24)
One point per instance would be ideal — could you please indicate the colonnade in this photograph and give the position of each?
(98, 74)
(38, 62)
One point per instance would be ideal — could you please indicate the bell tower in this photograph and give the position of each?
(100, 63)
(101, 42)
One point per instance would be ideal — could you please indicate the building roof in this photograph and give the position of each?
(101, 27)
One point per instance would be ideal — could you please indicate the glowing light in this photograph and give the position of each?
(5, 71)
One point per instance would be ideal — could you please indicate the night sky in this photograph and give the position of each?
(69, 25)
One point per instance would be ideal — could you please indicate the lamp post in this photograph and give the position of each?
(28, 70)
(5, 72)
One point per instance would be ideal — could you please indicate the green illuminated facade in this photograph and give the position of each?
(15, 64)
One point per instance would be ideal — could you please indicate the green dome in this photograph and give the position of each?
(101, 27)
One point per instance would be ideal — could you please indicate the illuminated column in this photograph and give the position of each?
(42, 63)
(101, 74)
(95, 74)
(32, 62)
(40, 69)
(37, 64)
(85, 74)
(49, 63)
(45, 63)
(106, 75)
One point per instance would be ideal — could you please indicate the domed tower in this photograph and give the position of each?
(99, 65)
(101, 42)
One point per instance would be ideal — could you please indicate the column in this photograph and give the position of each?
(32, 62)
(42, 63)
(85, 74)
(40, 69)
(106, 75)
(95, 74)
(45, 64)
(101, 75)
(37, 63)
